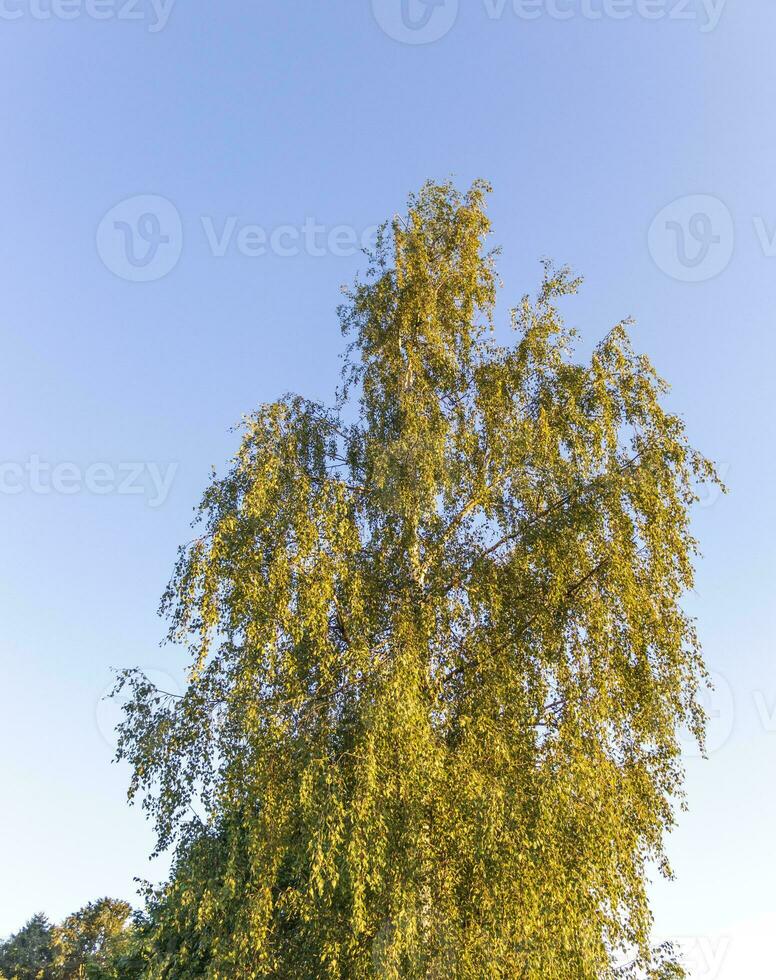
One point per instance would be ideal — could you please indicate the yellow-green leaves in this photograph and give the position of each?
(438, 655)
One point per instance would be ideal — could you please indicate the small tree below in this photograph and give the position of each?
(28, 954)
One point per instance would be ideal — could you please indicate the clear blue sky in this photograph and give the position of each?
(271, 114)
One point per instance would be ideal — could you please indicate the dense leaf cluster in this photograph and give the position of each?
(102, 941)
(438, 654)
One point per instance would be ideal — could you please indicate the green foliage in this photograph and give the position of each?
(88, 942)
(94, 943)
(28, 954)
(438, 654)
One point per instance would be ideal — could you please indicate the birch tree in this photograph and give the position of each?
(438, 659)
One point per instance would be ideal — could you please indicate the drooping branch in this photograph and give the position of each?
(572, 591)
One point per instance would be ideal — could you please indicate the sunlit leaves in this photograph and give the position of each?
(438, 657)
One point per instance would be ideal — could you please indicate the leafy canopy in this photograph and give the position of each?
(89, 941)
(90, 944)
(27, 954)
(438, 656)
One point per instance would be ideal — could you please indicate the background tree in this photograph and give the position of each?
(28, 954)
(88, 942)
(438, 656)
(98, 943)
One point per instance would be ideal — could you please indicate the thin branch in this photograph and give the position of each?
(570, 593)
(556, 506)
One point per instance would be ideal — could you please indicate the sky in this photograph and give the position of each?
(184, 188)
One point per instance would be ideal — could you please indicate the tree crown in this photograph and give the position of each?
(438, 654)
